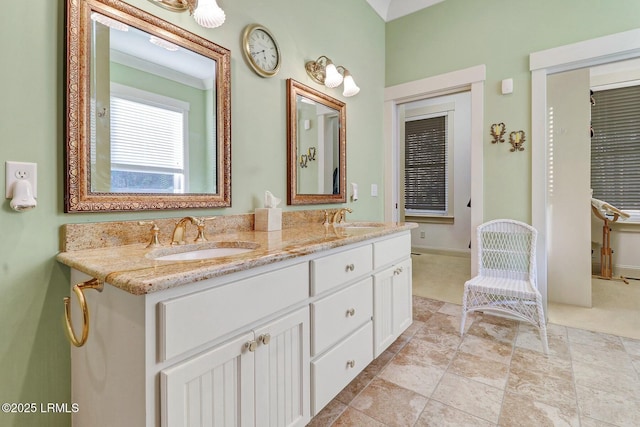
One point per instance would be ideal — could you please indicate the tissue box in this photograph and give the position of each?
(268, 219)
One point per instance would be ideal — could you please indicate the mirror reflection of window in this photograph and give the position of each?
(151, 133)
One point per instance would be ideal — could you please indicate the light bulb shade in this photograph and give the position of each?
(23, 199)
(332, 77)
(208, 14)
(350, 87)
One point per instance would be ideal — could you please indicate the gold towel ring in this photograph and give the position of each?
(77, 289)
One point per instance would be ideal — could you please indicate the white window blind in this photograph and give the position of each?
(146, 137)
(426, 164)
(615, 147)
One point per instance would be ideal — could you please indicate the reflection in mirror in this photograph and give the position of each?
(316, 125)
(148, 113)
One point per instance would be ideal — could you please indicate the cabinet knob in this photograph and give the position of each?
(265, 339)
(397, 271)
(251, 345)
(351, 312)
(351, 363)
(350, 267)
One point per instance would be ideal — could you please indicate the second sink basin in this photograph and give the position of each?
(202, 251)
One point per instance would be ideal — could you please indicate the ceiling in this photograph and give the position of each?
(392, 9)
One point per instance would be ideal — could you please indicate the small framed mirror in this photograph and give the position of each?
(316, 146)
(148, 113)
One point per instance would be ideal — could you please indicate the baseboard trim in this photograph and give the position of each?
(434, 251)
(628, 271)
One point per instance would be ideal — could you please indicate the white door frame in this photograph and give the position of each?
(471, 79)
(601, 50)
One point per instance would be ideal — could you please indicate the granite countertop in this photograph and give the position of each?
(132, 267)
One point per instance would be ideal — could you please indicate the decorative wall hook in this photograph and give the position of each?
(303, 160)
(517, 139)
(497, 132)
(312, 153)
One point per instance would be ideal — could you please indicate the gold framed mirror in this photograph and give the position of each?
(148, 113)
(316, 146)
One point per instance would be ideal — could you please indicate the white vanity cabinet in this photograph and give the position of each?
(259, 378)
(392, 290)
(266, 346)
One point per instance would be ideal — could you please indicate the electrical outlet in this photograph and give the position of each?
(16, 171)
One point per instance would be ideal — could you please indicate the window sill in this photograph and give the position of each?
(439, 219)
(626, 226)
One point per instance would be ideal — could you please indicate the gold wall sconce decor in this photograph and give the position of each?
(312, 153)
(516, 139)
(303, 160)
(497, 132)
(206, 13)
(322, 71)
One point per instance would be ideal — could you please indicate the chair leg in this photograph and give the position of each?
(464, 311)
(542, 327)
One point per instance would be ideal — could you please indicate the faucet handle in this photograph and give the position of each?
(200, 224)
(155, 230)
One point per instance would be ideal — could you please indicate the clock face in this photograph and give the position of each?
(262, 51)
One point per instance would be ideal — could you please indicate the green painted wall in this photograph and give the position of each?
(457, 34)
(34, 353)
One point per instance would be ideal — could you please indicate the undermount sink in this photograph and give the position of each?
(202, 251)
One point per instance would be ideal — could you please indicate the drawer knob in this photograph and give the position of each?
(351, 312)
(351, 363)
(265, 339)
(350, 267)
(251, 345)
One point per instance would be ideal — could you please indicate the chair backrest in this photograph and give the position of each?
(507, 249)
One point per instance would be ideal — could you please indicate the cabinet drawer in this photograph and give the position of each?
(339, 268)
(387, 251)
(189, 321)
(335, 369)
(340, 314)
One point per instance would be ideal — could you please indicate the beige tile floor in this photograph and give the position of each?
(496, 375)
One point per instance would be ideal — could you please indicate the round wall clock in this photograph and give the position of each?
(261, 50)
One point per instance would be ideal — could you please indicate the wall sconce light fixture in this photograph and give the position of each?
(322, 71)
(206, 13)
(517, 139)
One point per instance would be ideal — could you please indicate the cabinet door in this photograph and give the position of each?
(392, 310)
(282, 371)
(215, 388)
(402, 302)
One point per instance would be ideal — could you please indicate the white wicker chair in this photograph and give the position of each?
(506, 280)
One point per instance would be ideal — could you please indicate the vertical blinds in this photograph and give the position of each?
(615, 147)
(425, 169)
(147, 136)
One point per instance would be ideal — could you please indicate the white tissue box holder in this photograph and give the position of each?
(268, 219)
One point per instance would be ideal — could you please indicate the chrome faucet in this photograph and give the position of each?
(338, 217)
(180, 231)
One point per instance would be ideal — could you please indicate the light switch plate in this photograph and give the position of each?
(20, 170)
(374, 190)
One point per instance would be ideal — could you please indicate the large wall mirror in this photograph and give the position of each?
(148, 113)
(316, 149)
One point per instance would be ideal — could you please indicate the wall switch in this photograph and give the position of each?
(422, 234)
(374, 190)
(18, 171)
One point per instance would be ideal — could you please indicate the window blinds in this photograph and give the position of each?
(426, 164)
(146, 137)
(615, 147)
